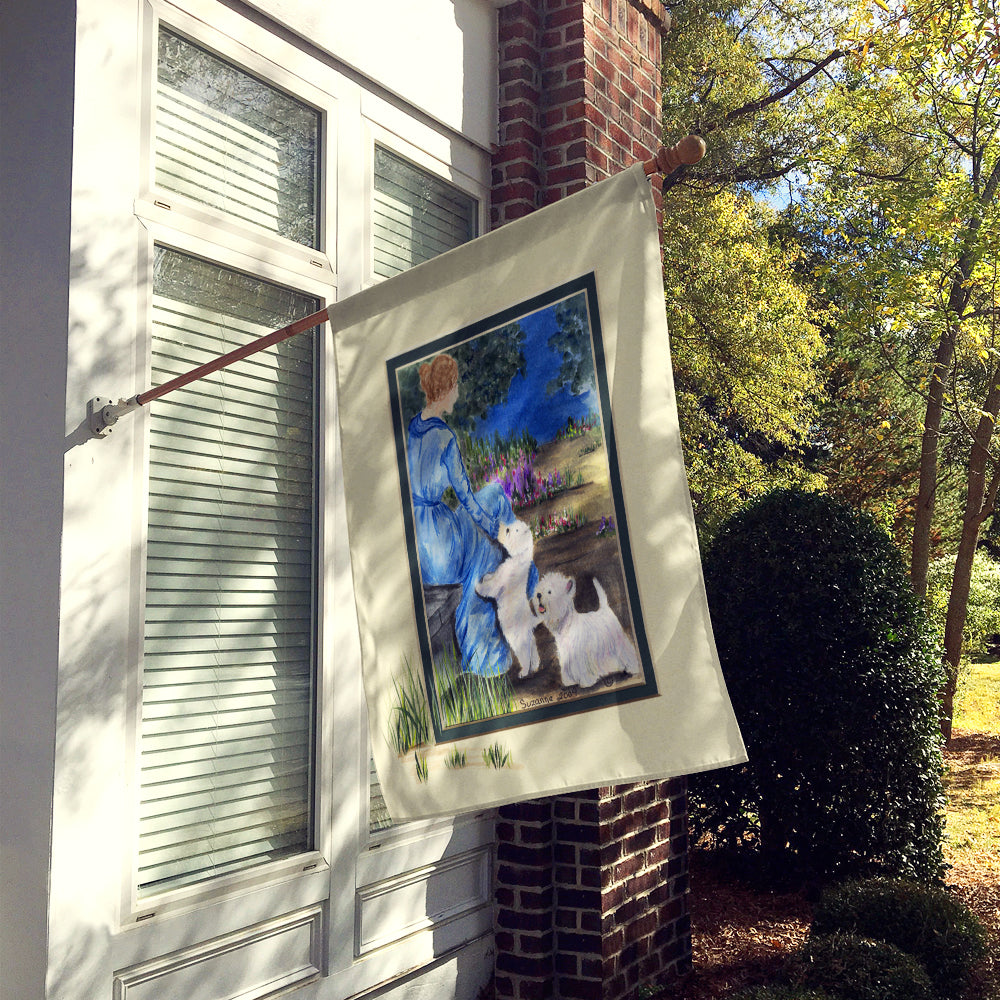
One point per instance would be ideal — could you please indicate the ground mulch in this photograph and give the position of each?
(742, 933)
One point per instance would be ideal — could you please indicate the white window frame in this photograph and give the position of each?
(349, 871)
(177, 223)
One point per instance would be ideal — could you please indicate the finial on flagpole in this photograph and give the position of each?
(668, 158)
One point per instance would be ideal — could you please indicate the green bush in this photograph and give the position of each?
(856, 968)
(925, 922)
(833, 674)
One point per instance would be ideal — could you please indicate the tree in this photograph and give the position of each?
(914, 182)
(746, 77)
(745, 349)
(746, 355)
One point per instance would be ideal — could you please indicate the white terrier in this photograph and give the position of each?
(508, 586)
(592, 644)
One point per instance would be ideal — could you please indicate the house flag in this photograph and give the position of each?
(528, 585)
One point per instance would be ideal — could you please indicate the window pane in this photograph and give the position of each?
(228, 654)
(228, 140)
(416, 215)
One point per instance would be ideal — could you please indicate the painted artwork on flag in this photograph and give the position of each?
(517, 535)
(518, 579)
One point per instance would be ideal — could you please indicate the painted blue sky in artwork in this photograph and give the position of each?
(527, 406)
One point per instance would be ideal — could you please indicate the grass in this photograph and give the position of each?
(973, 808)
(977, 706)
(973, 782)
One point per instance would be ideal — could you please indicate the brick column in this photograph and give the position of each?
(579, 96)
(591, 893)
(591, 888)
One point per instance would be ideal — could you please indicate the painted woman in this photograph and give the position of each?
(456, 546)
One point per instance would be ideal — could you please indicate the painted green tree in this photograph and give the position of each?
(486, 367)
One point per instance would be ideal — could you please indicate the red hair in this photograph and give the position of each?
(439, 377)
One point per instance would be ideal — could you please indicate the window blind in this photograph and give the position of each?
(226, 758)
(228, 140)
(416, 215)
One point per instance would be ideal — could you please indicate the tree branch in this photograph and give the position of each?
(754, 106)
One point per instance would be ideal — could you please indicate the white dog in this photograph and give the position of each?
(592, 644)
(508, 586)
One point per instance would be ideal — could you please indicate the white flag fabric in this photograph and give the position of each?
(526, 572)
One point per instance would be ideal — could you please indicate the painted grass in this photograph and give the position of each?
(496, 756)
(973, 780)
(464, 697)
(410, 726)
(420, 762)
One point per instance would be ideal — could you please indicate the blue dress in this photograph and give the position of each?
(457, 546)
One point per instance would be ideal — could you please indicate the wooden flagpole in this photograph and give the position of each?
(102, 413)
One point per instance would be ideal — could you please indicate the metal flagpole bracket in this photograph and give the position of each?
(103, 414)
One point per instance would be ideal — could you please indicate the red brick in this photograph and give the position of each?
(518, 111)
(527, 856)
(658, 854)
(594, 105)
(639, 840)
(521, 130)
(515, 875)
(517, 49)
(619, 135)
(532, 900)
(570, 14)
(517, 11)
(538, 966)
(567, 964)
(553, 117)
(641, 927)
(565, 875)
(540, 944)
(551, 39)
(518, 920)
(573, 988)
(642, 882)
(613, 896)
(555, 77)
(521, 90)
(540, 990)
(566, 53)
(626, 912)
(571, 93)
(575, 941)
